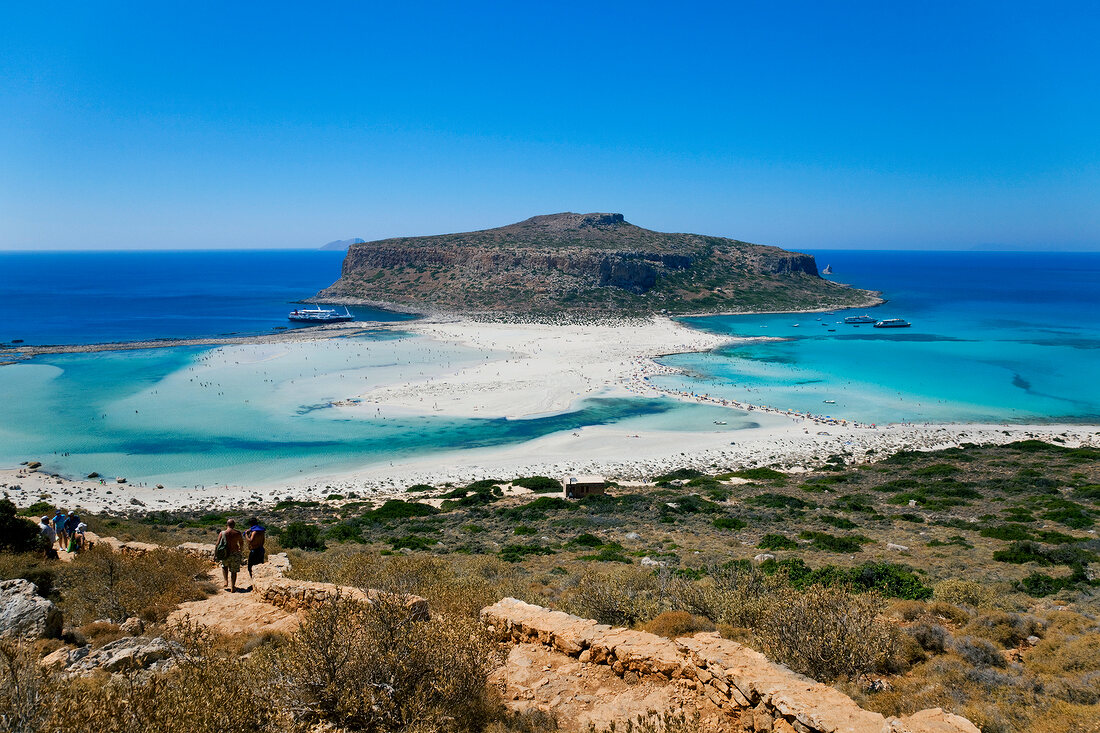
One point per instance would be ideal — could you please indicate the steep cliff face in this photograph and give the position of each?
(583, 262)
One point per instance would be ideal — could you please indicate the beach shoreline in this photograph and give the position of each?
(540, 369)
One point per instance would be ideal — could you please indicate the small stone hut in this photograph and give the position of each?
(578, 487)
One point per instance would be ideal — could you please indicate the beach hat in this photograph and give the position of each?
(45, 519)
(70, 512)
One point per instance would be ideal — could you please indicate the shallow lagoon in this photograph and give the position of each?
(259, 413)
(995, 337)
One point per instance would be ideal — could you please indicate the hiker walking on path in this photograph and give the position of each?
(71, 523)
(228, 551)
(49, 537)
(255, 534)
(59, 527)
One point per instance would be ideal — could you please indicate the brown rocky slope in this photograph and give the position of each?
(595, 263)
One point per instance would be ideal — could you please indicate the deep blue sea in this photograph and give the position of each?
(1001, 337)
(96, 297)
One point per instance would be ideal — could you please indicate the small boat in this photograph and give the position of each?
(719, 422)
(320, 315)
(794, 325)
(829, 402)
(893, 323)
(860, 319)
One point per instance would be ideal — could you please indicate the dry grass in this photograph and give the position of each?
(103, 584)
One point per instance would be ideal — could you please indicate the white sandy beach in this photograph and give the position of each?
(539, 369)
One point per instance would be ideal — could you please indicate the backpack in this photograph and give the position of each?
(221, 550)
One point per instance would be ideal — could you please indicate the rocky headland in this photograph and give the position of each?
(584, 263)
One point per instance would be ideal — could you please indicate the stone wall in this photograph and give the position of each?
(299, 595)
(766, 696)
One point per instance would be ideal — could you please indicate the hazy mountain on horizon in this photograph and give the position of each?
(342, 244)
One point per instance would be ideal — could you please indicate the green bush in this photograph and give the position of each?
(398, 509)
(419, 488)
(1007, 532)
(839, 522)
(538, 484)
(779, 501)
(516, 553)
(16, 533)
(38, 510)
(776, 542)
(413, 542)
(344, 533)
(759, 474)
(831, 543)
(728, 522)
(302, 536)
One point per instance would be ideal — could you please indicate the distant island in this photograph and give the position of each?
(342, 244)
(586, 263)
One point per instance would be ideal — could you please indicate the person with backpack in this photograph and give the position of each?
(255, 535)
(228, 552)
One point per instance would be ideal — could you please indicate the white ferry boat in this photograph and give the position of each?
(860, 319)
(320, 315)
(893, 323)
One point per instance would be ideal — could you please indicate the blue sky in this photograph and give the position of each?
(940, 125)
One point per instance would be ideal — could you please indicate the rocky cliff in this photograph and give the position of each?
(583, 262)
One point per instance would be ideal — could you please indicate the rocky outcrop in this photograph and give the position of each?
(126, 654)
(26, 615)
(765, 696)
(583, 262)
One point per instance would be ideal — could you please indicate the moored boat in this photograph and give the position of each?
(320, 315)
(893, 323)
(860, 319)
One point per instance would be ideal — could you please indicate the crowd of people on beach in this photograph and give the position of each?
(65, 532)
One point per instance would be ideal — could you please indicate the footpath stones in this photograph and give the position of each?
(26, 615)
(766, 696)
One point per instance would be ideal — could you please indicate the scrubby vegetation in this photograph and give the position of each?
(964, 579)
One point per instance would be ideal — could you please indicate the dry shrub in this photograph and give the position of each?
(101, 632)
(965, 593)
(103, 584)
(729, 595)
(376, 668)
(930, 636)
(668, 721)
(907, 610)
(949, 612)
(674, 624)
(1004, 628)
(206, 691)
(23, 688)
(621, 596)
(979, 652)
(455, 586)
(829, 633)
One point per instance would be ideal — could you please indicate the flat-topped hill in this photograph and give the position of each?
(597, 263)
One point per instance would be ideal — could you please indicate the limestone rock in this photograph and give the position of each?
(26, 615)
(896, 548)
(132, 626)
(132, 652)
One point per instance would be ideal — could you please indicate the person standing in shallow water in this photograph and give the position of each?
(231, 565)
(255, 534)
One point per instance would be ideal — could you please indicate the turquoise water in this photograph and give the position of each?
(995, 336)
(256, 413)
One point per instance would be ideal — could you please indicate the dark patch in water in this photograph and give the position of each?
(1018, 381)
(880, 336)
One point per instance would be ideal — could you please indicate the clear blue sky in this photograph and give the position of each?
(808, 125)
